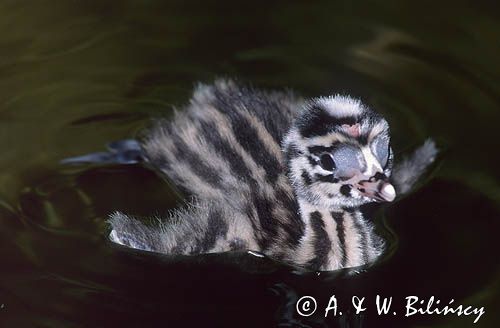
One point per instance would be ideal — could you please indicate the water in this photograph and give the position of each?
(75, 75)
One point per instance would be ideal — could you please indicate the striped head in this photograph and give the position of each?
(338, 154)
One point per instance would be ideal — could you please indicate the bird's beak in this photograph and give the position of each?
(377, 188)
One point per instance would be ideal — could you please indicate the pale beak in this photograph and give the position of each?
(377, 188)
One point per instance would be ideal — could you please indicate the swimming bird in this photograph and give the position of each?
(268, 171)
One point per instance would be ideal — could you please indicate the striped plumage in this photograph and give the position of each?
(269, 172)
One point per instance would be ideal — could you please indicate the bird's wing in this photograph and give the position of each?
(407, 172)
(200, 227)
(226, 142)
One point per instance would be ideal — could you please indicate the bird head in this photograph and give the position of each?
(338, 154)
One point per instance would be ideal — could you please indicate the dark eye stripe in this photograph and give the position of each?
(320, 149)
(319, 122)
(326, 178)
(312, 161)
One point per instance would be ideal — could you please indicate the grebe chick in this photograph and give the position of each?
(268, 172)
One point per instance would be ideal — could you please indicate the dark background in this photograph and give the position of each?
(77, 74)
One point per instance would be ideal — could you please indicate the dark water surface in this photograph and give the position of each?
(77, 74)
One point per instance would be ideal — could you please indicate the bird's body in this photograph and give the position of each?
(270, 172)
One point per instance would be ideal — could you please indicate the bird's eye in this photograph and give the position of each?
(326, 162)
